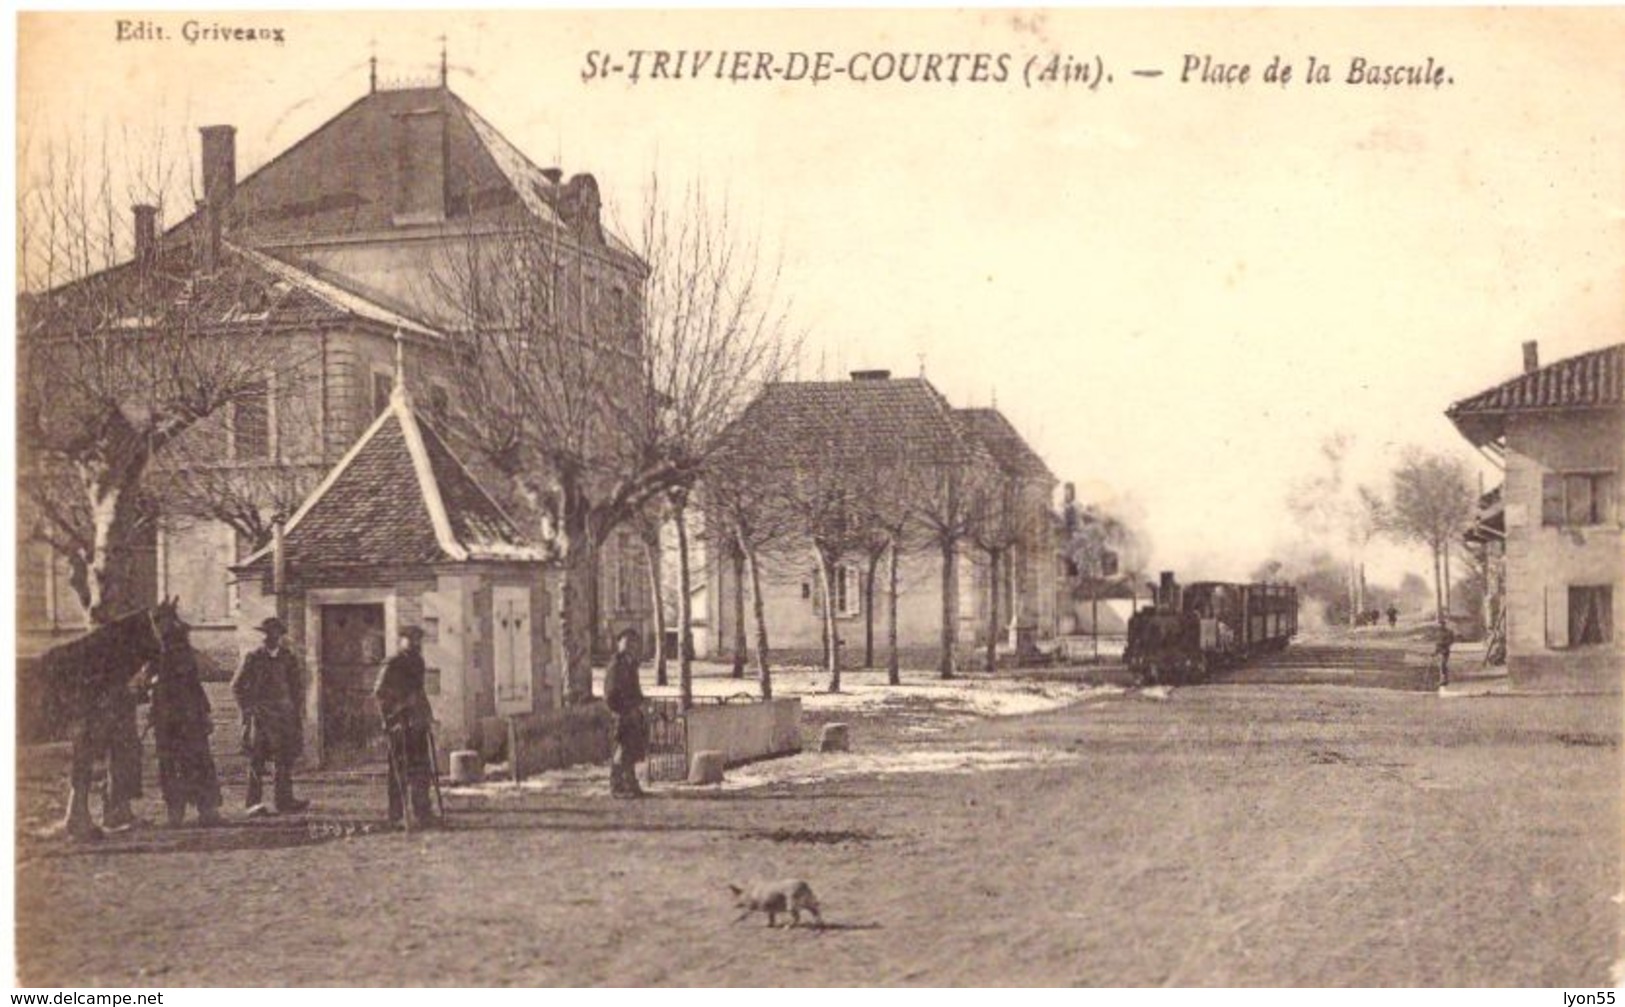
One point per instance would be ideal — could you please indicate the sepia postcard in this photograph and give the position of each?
(740, 498)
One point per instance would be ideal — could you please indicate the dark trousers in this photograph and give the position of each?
(409, 765)
(283, 786)
(186, 771)
(109, 731)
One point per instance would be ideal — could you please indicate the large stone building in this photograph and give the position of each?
(891, 435)
(336, 248)
(1559, 431)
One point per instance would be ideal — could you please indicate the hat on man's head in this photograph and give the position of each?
(272, 625)
(412, 632)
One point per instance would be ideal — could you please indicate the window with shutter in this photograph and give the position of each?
(251, 423)
(1551, 499)
(1591, 611)
(1577, 499)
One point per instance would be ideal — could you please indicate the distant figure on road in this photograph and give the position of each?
(1393, 615)
(1447, 639)
(624, 696)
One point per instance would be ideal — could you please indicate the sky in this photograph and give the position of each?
(1175, 289)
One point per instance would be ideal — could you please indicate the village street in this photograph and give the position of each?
(1252, 834)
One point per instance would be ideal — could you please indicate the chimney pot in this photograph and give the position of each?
(1531, 356)
(146, 233)
(219, 164)
(871, 375)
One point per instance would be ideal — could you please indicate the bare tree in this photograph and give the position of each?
(825, 495)
(945, 513)
(595, 401)
(1433, 500)
(1335, 511)
(253, 464)
(747, 517)
(117, 362)
(648, 521)
(1001, 521)
(888, 531)
(717, 333)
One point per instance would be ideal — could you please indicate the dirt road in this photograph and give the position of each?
(1227, 835)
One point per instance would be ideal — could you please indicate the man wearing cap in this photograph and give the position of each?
(407, 718)
(624, 697)
(270, 691)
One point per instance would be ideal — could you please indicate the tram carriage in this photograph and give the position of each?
(1195, 630)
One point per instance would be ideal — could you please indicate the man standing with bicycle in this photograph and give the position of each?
(407, 719)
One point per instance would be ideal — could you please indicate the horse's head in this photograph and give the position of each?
(166, 622)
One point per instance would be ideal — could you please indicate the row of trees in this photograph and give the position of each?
(865, 499)
(1430, 500)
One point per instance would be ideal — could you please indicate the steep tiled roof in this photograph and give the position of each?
(344, 178)
(249, 289)
(399, 497)
(801, 421)
(1014, 455)
(1588, 381)
(241, 293)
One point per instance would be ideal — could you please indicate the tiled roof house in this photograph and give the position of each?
(877, 422)
(332, 245)
(1555, 525)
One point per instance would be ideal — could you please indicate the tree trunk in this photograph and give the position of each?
(1447, 599)
(869, 611)
(990, 662)
(893, 672)
(832, 644)
(685, 613)
(739, 645)
(1438, 584)
(657, 592)
(111, 501)
(763, 676)
(575, 632)
(950, 577)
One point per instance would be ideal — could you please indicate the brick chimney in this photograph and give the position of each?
(578, 206)
(208, 242)
(146, 234)
(219, 164)
(1531, 357)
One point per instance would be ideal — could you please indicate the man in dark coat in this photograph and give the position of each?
(1393, 615)
(270, 691)
(624, 696)
(1441, 650)
(181, 720)
(407, 718)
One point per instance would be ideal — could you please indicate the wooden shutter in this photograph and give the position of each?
(510, 618)
(1551, 499)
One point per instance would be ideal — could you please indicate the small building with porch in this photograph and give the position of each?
(400, 533)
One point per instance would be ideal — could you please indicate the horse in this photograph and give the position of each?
(92, 684)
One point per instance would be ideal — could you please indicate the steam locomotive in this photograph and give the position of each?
(1195, 630)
